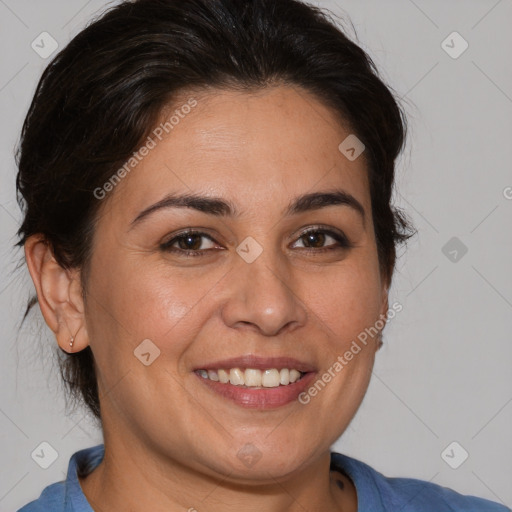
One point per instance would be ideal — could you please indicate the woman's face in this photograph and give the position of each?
(257, 287)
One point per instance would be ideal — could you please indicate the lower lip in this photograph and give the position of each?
(262, 398)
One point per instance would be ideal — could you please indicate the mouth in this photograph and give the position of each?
(253, 378)
(257, 382)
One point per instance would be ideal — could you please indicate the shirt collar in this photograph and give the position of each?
(81, 463)
(363, 478)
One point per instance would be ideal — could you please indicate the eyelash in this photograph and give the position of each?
(341, 239)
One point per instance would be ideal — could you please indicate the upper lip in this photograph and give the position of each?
(257, 362)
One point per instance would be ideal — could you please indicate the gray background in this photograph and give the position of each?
(443, 374)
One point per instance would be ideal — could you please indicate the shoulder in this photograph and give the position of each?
(377, 492)
(422, 496)
(52, 498)
(67, 496)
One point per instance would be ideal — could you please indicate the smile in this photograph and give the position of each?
(253, 377)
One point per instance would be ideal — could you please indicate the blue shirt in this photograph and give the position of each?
(375, 492)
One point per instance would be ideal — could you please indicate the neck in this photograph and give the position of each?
(132, 477)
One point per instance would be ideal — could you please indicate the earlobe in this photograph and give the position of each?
(58, 293)
(383, 313)
(385, 303)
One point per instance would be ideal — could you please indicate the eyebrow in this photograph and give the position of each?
(222, 208)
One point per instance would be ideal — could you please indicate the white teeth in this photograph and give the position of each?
(294, 375)
(270, 378)
(236, 377)
(223, 376)
(212, 375)
(253, 377)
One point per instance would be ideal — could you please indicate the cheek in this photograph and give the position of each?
(346, 301)
(167, 298)
(145, 299)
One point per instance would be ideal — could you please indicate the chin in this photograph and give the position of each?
(265, 461)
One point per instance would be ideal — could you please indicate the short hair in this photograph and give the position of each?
(99, 98)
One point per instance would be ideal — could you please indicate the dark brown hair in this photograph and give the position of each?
(99, 98)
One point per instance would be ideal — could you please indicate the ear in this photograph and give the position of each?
(384, 301)
(59, 294)
(384, 308)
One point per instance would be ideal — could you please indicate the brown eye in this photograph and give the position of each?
(315, 239)
(189, 243)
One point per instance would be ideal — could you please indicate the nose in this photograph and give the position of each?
(262, 297)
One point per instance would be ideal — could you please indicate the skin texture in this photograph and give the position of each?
(171, 443)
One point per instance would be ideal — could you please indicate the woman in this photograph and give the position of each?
(208, 226)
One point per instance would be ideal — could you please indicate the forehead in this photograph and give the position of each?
(251, 148)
